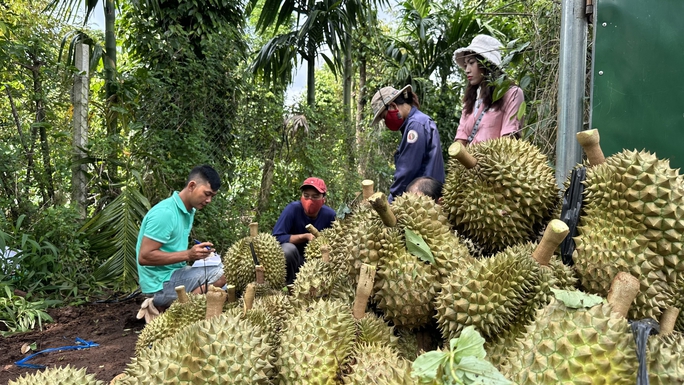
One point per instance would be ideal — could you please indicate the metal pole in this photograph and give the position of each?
(571, 84)
(80, 102)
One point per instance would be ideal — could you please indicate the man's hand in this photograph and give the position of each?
(301, 238)
(200, 251)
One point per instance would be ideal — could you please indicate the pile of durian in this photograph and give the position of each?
(390, 282)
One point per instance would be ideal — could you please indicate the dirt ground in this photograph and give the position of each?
(112, 325)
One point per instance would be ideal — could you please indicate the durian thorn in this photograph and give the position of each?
(230, 291)
(363, 290)
(590, 142)
(668, 320)
(182, 294)
(325, 253)
(253, 229)
(382, 207)
(259, 270)
(248, 297)
(555, 233)
(623, 290)
(458, 151)
(215, 300)
(310, 228)
(367, 186)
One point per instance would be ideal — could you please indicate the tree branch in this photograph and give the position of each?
(15, 114)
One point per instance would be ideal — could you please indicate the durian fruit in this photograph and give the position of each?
(495, 293)
(313, 248)
(633, 221)
(188, 309)
(578, 346)
(318, 278)
(407, 345)
(666, 352)
(222, 350)
(316, 342)
(238, 263)
(379, 364)
(374, 330)
(502, 194)
(355, 240)
(57, 376)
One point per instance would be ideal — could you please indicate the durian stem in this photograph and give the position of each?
(182, 294)
(623, 290)
(215, 300)
(380, 204)
(367, 186)
(253, 229)
(590, 142)
(555, 233)
(250, 293)
(310, 228)
(230, 291)
(363, 290)
(668, 320)
(325, 253)
(458, 151)
(259, 270)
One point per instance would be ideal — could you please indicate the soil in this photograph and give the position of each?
(111, 325)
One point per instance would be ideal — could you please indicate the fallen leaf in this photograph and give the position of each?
(25, 348)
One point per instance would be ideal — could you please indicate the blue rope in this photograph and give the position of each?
(84, 345)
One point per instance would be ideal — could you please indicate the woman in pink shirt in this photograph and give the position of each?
(482, 119)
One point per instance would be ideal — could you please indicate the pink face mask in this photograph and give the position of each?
(393, 121)
(312, 206)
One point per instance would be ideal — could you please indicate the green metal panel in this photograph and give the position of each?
(638, 77)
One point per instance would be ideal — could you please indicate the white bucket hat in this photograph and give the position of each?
(384, 97)
(483, 45)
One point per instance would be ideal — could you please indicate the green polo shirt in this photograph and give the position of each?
(168, 223)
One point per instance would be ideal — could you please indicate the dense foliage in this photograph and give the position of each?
(186, 92)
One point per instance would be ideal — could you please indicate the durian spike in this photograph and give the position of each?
(215, 300)
(116, 379)
(310, 228)
(230, 292)
(623, 290)
(458, 151)
(253, 229)
(380, 204)
(590, 142)
(260, 272)
(325, 253)
(182, 295)
(363, 290)
(668, 320)
(367, 186)
(555, 233)
(248, 297)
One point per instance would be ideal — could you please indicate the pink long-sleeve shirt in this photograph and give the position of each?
(494, 123)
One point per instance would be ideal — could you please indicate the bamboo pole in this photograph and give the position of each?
(555, 233)
(590, 142)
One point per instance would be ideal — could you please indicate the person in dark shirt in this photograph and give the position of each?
(290, 229)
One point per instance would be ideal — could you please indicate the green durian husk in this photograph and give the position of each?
(313, 248)
(506, 198)
(67, 375)
(666, 359)
(316, 343)
(374, 330)
(238, 262)
(574, 346)
(379, 364)
(225, 349)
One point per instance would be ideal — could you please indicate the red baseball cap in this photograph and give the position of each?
(316, 183)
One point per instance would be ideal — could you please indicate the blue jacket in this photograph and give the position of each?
(419, 153)
(293, 220)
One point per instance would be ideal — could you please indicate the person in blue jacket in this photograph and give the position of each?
(420, 151)
(290, 229)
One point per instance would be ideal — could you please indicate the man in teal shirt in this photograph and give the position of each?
(162, 249)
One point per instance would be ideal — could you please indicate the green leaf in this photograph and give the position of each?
(417, 246)
(577, 299)
(475, 370)
(522, 110)
(427, 364)
(470, 343)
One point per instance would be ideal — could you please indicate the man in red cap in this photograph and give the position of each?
(290, 229)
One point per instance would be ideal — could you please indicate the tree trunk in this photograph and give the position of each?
(267, 179)
(110, 85)
(348, 125)
(311, 77)
(28, 153)
(40, 123)
(360, 106)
